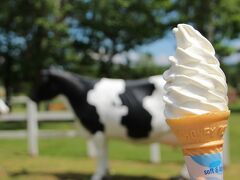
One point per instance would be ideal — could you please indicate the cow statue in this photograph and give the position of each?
(110, 108)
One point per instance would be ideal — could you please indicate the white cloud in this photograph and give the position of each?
(121, 58)
(162, 60)
(233, 59)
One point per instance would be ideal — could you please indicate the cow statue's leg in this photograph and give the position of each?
(184, 172)
(171, 140)
(100, 142)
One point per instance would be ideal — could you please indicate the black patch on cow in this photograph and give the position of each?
(86, 112)
(89, 118)
(138, 120)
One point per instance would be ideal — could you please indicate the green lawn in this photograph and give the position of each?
(66, 158)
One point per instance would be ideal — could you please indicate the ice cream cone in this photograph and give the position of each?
(201, 137)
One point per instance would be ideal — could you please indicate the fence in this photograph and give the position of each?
(32, 116)
(32, 133)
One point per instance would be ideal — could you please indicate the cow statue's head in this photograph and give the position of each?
(45, 88)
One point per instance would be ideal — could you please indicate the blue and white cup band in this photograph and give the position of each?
(206, 166)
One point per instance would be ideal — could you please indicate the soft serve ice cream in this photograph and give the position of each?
(196, 103)
(195, 82)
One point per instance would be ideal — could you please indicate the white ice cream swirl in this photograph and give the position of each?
(195, 83)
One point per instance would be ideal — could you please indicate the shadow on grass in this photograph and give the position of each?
(81, 176)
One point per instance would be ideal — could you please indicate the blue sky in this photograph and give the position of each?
(160, 49)
(165, 47)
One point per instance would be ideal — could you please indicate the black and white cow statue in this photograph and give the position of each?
(116, 108)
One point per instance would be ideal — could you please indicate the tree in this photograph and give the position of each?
(34, 36)
(41, 33)
(109, 27)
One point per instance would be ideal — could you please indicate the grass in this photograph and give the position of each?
(66, 158)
